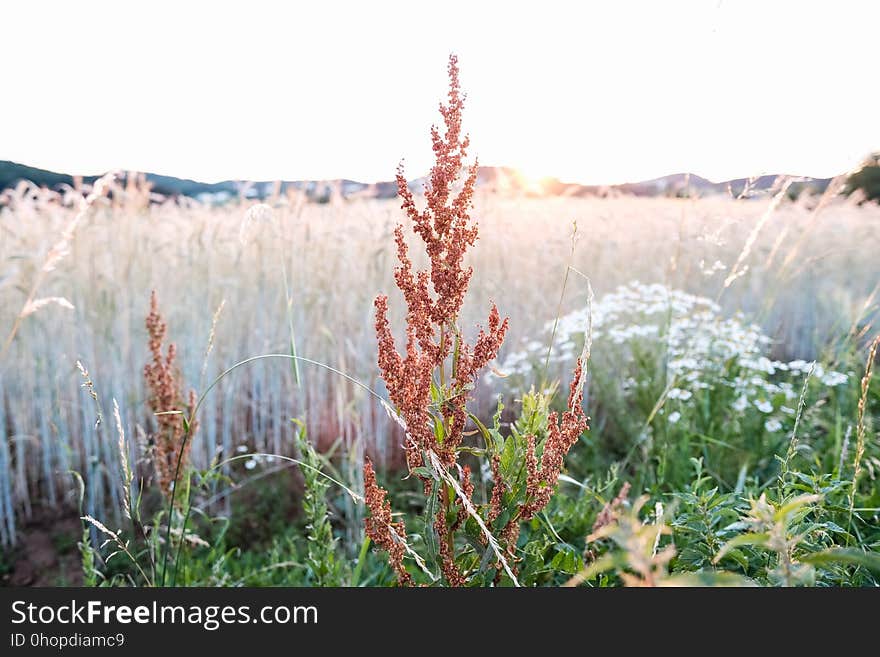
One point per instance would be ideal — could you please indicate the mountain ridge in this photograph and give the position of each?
(497, 178)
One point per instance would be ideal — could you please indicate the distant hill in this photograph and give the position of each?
(502, 179)
(676, 184)
(11, 173)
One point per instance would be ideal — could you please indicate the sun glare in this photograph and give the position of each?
(588, 92)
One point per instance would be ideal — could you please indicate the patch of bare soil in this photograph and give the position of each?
(46, 553)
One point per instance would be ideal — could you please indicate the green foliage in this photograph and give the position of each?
(262, 509)
(701, 527)
(325, 568)
(733, 513)
(90, 571)
(87, 552)
(718, 500)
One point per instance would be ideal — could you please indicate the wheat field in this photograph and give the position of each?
(224, 276)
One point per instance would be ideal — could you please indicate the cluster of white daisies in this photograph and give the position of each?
(702, 349)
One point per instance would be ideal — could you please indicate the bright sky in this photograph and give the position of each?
(595, 92)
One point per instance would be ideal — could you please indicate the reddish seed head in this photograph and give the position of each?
(434, 297)
(379, 526)
(561, 437)
(497, 489)
(162, 382)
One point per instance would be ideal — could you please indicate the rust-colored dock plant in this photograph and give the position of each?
(432, 380)
(167, 402)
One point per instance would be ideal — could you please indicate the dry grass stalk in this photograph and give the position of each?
(737, 270)
(611, 509)
(125, 468)
(861, 429)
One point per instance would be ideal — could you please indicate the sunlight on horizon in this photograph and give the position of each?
(580, 91)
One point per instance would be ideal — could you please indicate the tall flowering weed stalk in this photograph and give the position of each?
(173, 439)
(432, 381)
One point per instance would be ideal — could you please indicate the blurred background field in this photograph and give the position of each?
(809, 280)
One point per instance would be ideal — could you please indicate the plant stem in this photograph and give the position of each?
(362, 555)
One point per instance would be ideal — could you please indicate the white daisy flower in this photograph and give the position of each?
(773, 425)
